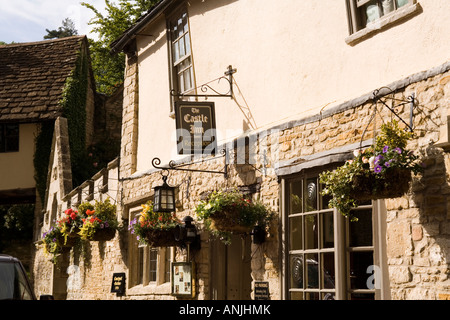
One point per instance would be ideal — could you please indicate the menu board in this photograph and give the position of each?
(183, 275)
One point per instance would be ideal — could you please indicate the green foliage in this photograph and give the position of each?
(43, 143)
(53, 241)
(18, 217)
(393, 136)
(84, 207)
(16, 223)
(243, 213)
(250, 212)
(66, 30)
(339, 185)
(108, 69)
(73, 103)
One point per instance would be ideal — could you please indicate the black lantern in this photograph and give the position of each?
(191, 231)
(164, 200)
(187, 234)
(259, 235)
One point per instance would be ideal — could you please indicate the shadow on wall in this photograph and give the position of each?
(430, 234)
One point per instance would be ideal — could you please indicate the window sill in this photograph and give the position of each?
(152, 288)
(384, 23)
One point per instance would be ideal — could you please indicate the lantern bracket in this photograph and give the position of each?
(173, 166)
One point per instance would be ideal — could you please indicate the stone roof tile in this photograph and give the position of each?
(32, 77)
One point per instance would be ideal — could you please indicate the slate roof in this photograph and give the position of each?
(32, 77)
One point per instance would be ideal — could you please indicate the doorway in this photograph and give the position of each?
(231, 277)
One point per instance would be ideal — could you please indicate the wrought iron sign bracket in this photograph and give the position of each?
(205, 88)
(173, 166)
(411, 100)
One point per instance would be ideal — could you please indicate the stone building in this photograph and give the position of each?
(33, 79)
(305, 88)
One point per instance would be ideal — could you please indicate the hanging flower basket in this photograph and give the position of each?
(70, 224)
(161, 238)
(229, 212)
(105, 234)
(69, 242)
(53, 243)
(380, 172)
(99, 221)
(228, 220)
(156, 229)
(393, 183)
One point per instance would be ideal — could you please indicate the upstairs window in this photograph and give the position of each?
(181, 54)
(368, 16)
(9, 138)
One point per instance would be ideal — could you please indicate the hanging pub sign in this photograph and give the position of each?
(196, 127)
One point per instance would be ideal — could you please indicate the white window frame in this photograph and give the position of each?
(341, 249)
(141, 268)
(177, 70)
(360, 30)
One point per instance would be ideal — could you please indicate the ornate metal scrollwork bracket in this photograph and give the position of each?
(378, 97)
(206, 88)
(180, 167)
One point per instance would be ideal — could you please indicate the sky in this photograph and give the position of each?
(26, 20)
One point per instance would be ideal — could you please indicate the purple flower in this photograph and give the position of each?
(387, 164)
(377, 169)
(378, 159)
(398, 150)
(102, 225)
(385, 149)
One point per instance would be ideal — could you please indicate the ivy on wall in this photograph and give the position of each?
(73, 103)
(85, 160)
(43, 143)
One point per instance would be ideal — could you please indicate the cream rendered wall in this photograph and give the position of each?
(291, 58)
(17, 168)
(156, 127)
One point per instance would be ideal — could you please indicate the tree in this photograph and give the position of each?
(109, 70)
(66, 30)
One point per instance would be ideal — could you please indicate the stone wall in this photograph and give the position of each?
(418, 224)
(418, 239)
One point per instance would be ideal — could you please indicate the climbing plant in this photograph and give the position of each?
(43, 143)
(73, 104)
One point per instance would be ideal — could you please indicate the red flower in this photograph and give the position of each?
(90, 212)
(73, 215)
(68, 212)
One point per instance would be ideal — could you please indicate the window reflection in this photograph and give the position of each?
(295, 233)
(311, 232)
